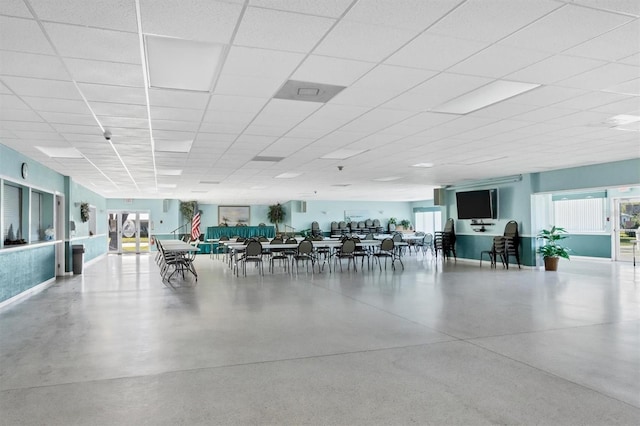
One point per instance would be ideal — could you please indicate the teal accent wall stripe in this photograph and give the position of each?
(589, 245)
(21, 270)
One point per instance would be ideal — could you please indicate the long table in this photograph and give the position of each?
(215, 232)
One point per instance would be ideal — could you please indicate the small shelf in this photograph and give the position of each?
(480, 226)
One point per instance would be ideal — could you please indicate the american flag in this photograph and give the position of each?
(195, 226)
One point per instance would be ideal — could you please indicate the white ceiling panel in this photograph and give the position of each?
(330, 8)
(365, 42)
(14, 8)
(602, 77)
(112, 73)
(212, 21)
(612, 46)
(435, 52)
(271, 29)
(118, 110)
(497, 61)
(177, 114)
(102, 13)
(470, 20)
(412, 14)
(115, 94)
(397, 61)
(39, 87)
(554, 69)
(56, 105)
(566, 27)
(93, 43)
(252, 62)
(31, 65)
(323, 69)
(23, 35)
(177, 98)
(630, 7)
(8, 101)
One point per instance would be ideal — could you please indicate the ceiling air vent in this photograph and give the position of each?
(306, 91)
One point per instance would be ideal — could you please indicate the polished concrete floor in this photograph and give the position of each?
(433, 344)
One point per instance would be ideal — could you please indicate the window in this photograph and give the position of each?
(12, 212)
(429, 221)
(37, 231)
(580, 215)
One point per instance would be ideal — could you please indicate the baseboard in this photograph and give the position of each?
(477, 261)
(27, 293)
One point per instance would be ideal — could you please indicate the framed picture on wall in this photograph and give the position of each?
(234, 215)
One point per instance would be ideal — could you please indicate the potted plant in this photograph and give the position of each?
(276, 214)
(551, 251)
(406, 224)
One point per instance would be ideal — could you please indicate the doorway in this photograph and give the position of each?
(128, 231)
(627, 220)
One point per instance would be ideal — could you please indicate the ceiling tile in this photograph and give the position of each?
(253, 62)
(211, 21)
(497, 61)
(115, 94)
(32, 65)
(273, 29)
(57, 105)
(554, 69)
(327, 70)
(14, 8)
(331, 9)
(631, 7)
(411, 14)
(102, 13)
(177, 99)
(469, 21)
(23, 35)
(91, 43)
(112, 73)
(612, 46)
(44, 88)
(602, 77)
(435, 52)
(565, 28)
(365, 42)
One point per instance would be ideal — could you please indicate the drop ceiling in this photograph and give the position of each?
(71, 69)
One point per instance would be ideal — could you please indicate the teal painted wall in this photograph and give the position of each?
(21, 270)
(79, 194)
(324, 212)
(589, 245)
(40, 176)
(619, 173)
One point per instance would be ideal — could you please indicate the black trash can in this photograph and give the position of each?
(78, 257)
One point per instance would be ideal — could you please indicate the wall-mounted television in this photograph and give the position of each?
(481, 204)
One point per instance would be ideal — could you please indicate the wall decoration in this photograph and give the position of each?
(84, 212)
(234, 215)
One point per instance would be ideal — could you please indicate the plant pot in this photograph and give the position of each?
(551, 263)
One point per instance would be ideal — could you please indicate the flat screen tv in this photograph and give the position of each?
(481, 204)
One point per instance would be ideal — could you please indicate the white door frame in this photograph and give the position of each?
(60, 237)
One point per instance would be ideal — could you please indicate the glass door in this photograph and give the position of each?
(627, 216)
(128, 232)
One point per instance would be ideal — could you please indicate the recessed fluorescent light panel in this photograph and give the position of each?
(487, 95)
(288, 175)
(54, 152)
(174, 63)
(343, 154)
(173, 146)
(388, 179)
(424, 165)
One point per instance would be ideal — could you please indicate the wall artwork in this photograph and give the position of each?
(234, 215)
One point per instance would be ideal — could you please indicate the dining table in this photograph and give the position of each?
(182, 249)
